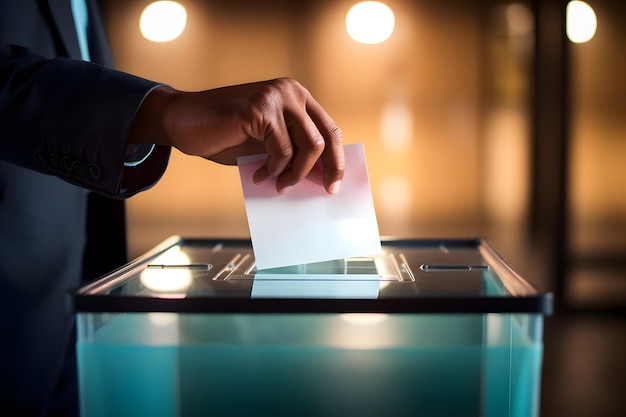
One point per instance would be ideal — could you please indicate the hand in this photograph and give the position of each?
(277, 117)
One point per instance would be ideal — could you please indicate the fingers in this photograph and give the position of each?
(297, 138)
(293, 155)
(279, 150)
(332, 157)
(308, 145)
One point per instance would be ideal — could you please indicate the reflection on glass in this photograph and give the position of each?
(364, 318)
(344, 278)
(363, 331)
(168, 280)
(162, 319)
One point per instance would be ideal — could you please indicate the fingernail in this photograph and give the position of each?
(334, 187)
(260, 176)
(286, 189)
(258, 179)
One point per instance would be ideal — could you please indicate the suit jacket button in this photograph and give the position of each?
(79, 168)
(66, 163)
(42, 156)
(55, 161)
(94, 171)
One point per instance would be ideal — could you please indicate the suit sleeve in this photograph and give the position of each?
(72, 119)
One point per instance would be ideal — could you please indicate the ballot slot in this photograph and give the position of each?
(384, 267)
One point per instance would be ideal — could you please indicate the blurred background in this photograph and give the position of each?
(502, 119)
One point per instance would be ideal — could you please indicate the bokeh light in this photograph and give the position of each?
(370, 22)
(519, 19)
(581, 22)
(396, 124)
(163, 21)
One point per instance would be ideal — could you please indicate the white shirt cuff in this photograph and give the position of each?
(136, 154)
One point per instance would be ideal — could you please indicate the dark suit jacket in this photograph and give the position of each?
(63, 132)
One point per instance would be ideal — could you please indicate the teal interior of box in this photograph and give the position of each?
(320, 340)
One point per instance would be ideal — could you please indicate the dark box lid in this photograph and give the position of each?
(410, 276)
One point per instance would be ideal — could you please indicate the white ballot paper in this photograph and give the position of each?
(307, 225)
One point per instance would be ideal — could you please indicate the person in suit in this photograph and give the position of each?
(78, 137)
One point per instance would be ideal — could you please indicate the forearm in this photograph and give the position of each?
(71, 111)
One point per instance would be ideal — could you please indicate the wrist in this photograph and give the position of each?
(149, 124)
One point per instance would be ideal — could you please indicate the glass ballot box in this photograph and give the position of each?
(427, 327)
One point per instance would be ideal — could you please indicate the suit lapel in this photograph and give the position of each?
(61, 11)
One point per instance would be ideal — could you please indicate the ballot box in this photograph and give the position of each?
(425, 328)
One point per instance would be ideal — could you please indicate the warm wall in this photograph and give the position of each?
(429, 68)
(450, 68)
